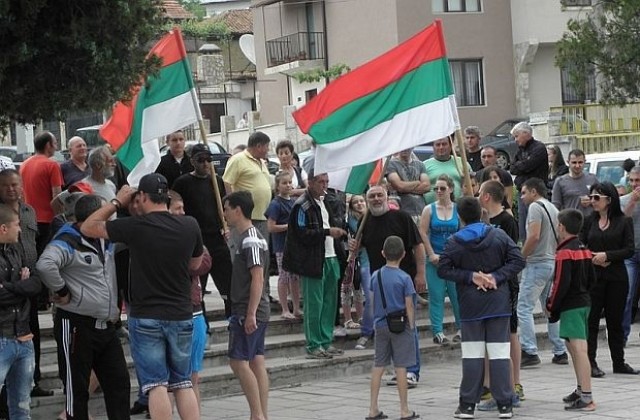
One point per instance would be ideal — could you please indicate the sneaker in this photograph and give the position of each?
(138, 408)
(464, 412)
(361, 344)
(560, 359)
(581, 405)
(486, 394)
(333, 351)
(339, 331)
(519, 390)
(505, 411)
(571, 398)
(412, 380)
(529, 359)
(488, 405)
(458, 337)
(318, 354)
(393, 381)
(441, 339)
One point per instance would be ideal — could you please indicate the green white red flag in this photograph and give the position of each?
(398, 100)
(162, 104)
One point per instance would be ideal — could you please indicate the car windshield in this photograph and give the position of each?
(10, 153)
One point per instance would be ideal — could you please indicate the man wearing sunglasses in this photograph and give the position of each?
(199, 200)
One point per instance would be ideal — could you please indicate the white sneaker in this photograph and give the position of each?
(339, 332)
(362, 343)
(412, 380)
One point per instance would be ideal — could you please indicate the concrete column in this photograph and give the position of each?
(24, 138)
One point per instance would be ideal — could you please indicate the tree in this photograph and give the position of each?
(60, 56)
(194, 7)
(607, 41)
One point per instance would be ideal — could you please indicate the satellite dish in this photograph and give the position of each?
(248, 47)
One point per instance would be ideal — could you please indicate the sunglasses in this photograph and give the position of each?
(440, 188)
(597, 197)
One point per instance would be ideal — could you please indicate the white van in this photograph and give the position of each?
(608, 166)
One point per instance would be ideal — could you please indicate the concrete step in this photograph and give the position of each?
(286, 363)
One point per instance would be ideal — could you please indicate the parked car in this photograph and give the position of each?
(504, 143)
(220, 155)
(608, 166)
(11, 152)
(423, 152)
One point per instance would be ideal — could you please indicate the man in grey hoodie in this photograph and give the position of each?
(80, 271)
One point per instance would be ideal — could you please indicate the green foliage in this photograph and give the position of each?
(606, 39)
(205, 29)
(312, 76)
(60, 56)
(194, 7)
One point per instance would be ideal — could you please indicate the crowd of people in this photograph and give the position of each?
(78, 237)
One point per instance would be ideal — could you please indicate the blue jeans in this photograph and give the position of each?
(161, 352)
(366, 325)
(17, 363)
(534, 286)
(633, 271)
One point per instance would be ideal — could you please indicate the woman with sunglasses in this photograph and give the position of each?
(438, 222)
(608, 233)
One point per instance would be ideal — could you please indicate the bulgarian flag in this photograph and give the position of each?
(161, 105)
(398, 100)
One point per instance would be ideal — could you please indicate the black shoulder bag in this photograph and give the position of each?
(396, 321)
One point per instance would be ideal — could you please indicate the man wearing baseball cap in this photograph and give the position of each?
(163, 248)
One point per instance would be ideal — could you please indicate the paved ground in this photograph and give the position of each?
(617, 396)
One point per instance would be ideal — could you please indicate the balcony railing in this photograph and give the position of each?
(295, 47)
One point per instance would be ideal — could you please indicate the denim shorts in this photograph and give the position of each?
(161, 352)
(243, 346)
(198, 342)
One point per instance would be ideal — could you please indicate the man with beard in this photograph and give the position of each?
(381, 224)
(443, 162)
(102, 166)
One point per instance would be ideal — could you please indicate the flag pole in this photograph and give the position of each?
(466, 177)
(214, 182)
(203, 131)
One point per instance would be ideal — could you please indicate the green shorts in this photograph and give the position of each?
(573, 323)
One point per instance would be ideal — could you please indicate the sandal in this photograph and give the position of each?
(351, 325)
(288, 316)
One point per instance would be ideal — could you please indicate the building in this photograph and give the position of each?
(215, 7)
(501, 51)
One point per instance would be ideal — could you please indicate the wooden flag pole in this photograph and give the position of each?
(466, 177)
(214, 181)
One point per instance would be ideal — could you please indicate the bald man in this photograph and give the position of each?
(76, 168)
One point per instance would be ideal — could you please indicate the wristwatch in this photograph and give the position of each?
(116, 203)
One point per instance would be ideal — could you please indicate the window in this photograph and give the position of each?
(572, 96)
(448, 6)
(577, 3)
(468, 82)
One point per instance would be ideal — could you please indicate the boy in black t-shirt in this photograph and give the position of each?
(249, 304)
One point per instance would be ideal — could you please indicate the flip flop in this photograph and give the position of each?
(379, 416)
(413, 415)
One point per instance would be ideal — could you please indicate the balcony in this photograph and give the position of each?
(294, 53)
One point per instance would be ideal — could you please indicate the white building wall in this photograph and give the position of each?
(542, 20)
(544, 83)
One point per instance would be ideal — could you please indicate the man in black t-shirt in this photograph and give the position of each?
(199, 200)
(472, 144)
(163, 248)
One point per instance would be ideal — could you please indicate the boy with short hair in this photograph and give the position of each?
(569, 302)
(399, 295)
(481, 259)
(249, 304)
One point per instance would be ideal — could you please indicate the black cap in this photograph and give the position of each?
(154, 184)
(200, 149)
